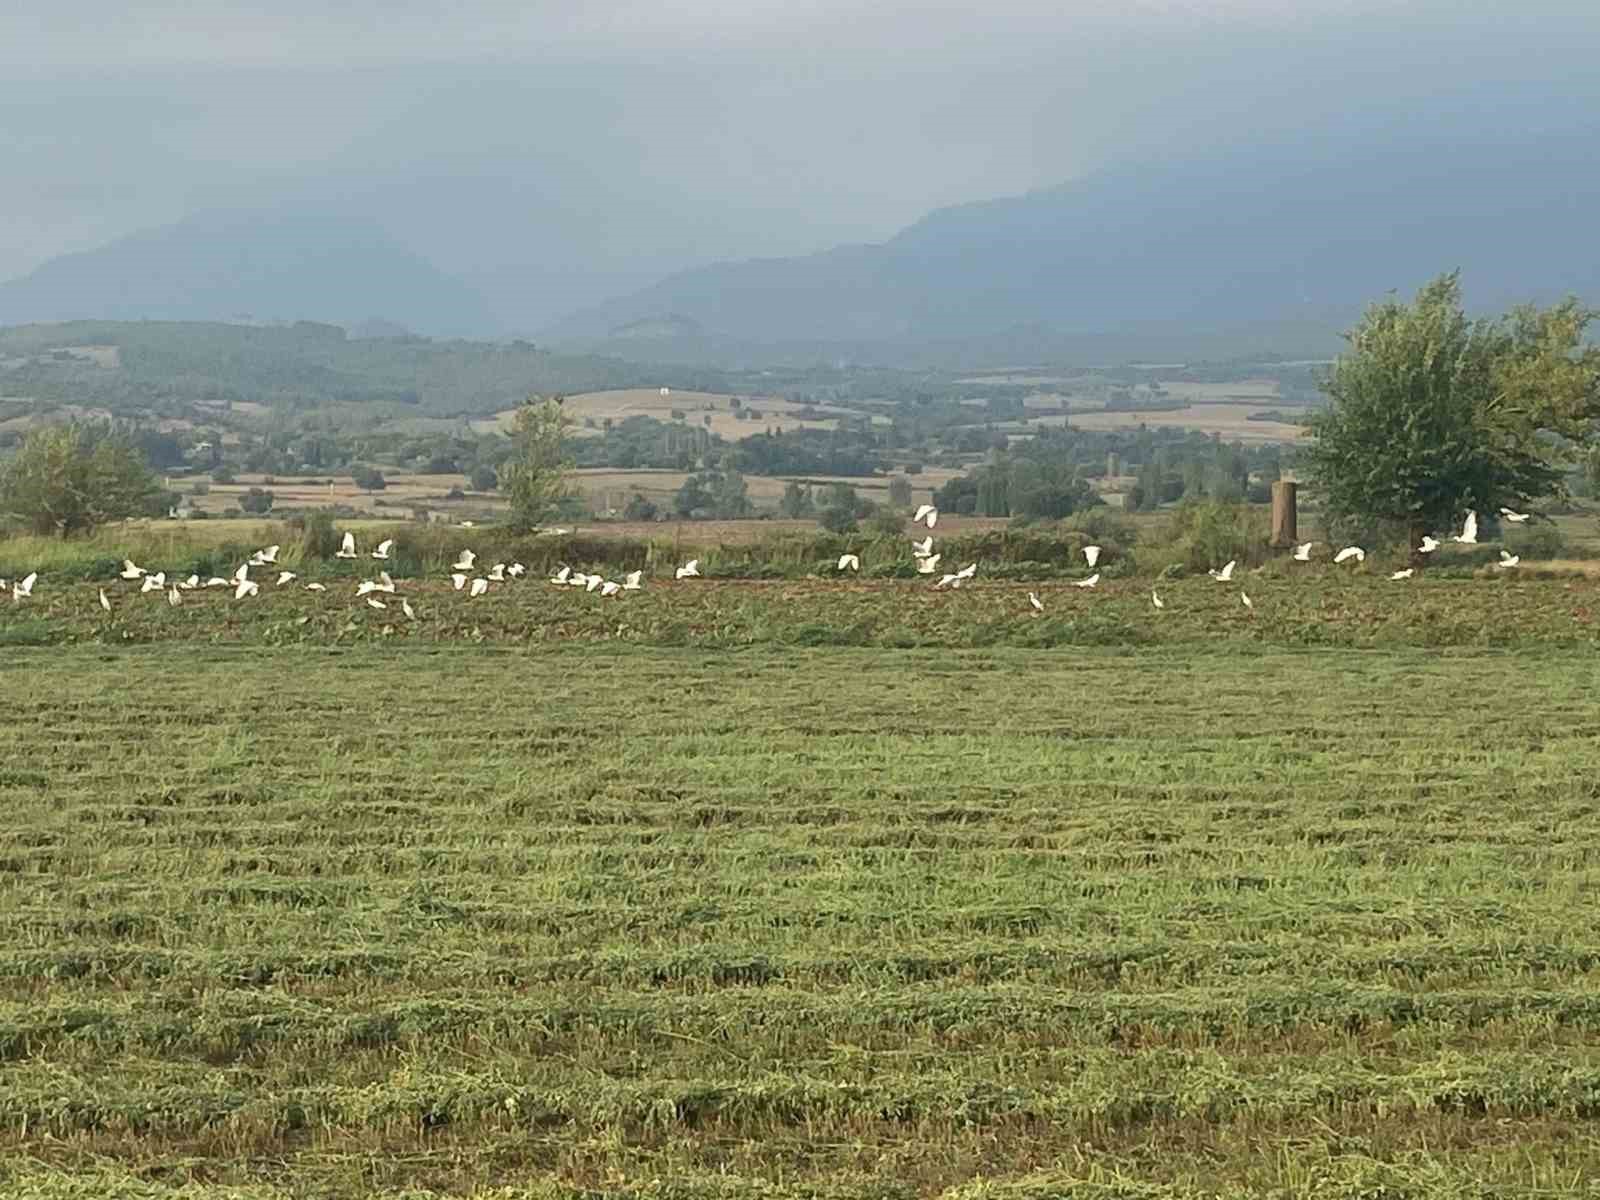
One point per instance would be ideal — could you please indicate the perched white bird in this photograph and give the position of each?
(1302, 552)
(104, 603)
(129, 571)
(1087, 583)
(216, 581)
(245, 587)
(1406, 574)
(849, 560)
(1515, 518)
(347, 548)
(464, 563)
(578, 579)
(1245, 598)
(516, 570)
(1349, 552)
(929, 565)
(1508, 560)
(630, 581)
(316, 587)
(1091, 554)
(593, 582)
(373, 602)
(923, 548)
(458, 581)
(497, 573)
(152, 583)
(405, 607)
(1157, 600)
(610, 589)
(922, 513)
(285, 577)
(479, 587)
(561, 575)
(1034, 600)
(174, 597)
(468, 524)
(190, 583)
(23, 588)
(692, 567)
(1429, 545)
(1469, 531)
(1226, 573)
(383, 548)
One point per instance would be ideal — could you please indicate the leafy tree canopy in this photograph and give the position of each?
(69, 478)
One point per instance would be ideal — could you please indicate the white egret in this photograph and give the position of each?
(1508, 560)
(852, 561)
(561, 575)
(245, 587)
(347, 548)
(1429, 545)
(497, 573)
(190, 583)
(1469, 531)
(1157, 600)
(1350, 552)
(285, 577)
(174, 597)
(242, 573)
(458, 581)
(578, 579)
(630, 581)
(968, 571)
(405, 607)
(1248, 603)
(691, 568)
(23, 588)
(929, 565)
(374, 602)
(468, 524)
(383, 548)
(1091, 554)
(516, 570)
(1302, 552)
(923, 548)
(215, 581)
(152, 583)
(610, 589)
(953, 580)
(316, 587)
(262, 558)
(593, 582)
(479, 587)
(1224, 575)
(464, 563)
(104, 603)
(1515, 518)
(129, 570)
(1406, 574)
(1087, 583)
(1034, 600)
(922, 512)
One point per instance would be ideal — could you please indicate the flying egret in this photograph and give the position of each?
(1302, 552)
(1157, 600)
(1224, 575)
(245, 587)
(1248, 603)
(23, 588)
(924, 548)
(1508, 560)
(630, 581)
(851, 561)
(129, 571)
(1429, 545)
(262, 558)
(1087, 583)
(968, 571)
(190, 583)
(1515, 518)
(405, 607)
(383, 548)
(1406, 574)
(954, 580)
(347, 548)
(1350, 552)
(561, 575)
(497, 573)
(364, 587)
(104, 603)
(610, 589)
(691, 568)
(152, 583)
(593, 582)
(1469, 531)
(464, 563)
(285, 577)
(922, 512)
(174, 597)
(1091, 554)
(458, 581)
(516, 570)
(374, 602)
(480, 585)
(215, 581)
(242, 573)
(1034, 600)
(929, 565)
(578, 579)
(316, 587)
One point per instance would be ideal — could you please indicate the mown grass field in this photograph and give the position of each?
(534, 920)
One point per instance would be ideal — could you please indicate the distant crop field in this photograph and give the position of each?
(535, 919)
(1230, 420)
(777, 415)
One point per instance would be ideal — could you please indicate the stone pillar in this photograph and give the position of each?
(1284, 531)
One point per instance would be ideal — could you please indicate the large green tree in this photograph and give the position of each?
(1432, 414)
(534, 478)
(67, 479)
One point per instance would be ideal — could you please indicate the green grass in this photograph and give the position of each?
(521, 919)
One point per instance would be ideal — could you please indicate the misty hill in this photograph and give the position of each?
(252, 267)
(1273, 248)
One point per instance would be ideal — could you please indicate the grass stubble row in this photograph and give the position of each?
(405, 916)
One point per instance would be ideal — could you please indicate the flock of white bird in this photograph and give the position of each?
(475, 585)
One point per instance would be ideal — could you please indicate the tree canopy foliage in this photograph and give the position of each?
(533, 478)
(1433, 414)
(67, 479)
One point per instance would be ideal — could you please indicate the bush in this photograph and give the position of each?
(1205, 534)
(319, 539)
(1536, 541)
(839, 520)
(256, 502)
(224, 476)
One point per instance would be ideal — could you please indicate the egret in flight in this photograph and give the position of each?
(1091, 554)
(1406, 574)
(1508, 560)
(1469, 531)
(383, 548)
(1429, 545)
(1350, 552)
(851, 561)
(1302, 552)
(347, 547)
(1515, 518)
(689, 569)
(1224, 575)
(1087, 583)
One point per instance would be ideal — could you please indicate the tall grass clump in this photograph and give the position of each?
(1205, 534)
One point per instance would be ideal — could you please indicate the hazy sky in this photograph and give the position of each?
(587, 145)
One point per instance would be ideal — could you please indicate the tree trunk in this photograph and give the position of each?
(1285, 530)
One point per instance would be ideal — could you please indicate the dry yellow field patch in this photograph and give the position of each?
(776, 414)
